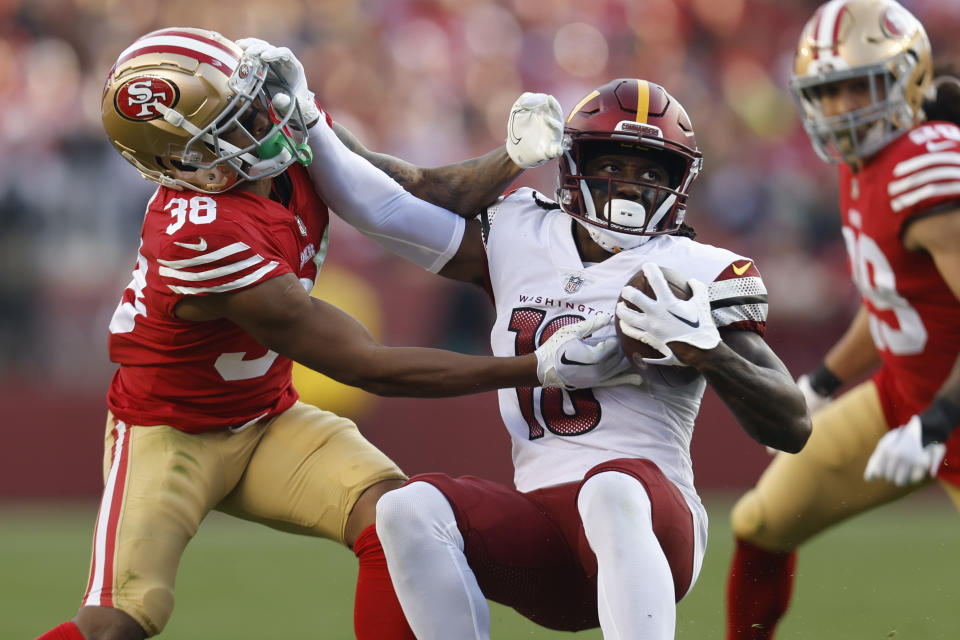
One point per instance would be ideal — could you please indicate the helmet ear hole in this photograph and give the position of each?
(944, 101)
(176, 164)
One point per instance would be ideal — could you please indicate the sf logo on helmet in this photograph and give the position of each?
(896, 22)
(137, 98)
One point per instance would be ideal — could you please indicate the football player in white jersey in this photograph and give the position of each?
(604, 527)
(864, 81)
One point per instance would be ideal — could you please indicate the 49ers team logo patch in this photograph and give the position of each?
(137, 98)
(895, 22)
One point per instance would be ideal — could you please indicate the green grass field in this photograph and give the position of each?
(888, 574)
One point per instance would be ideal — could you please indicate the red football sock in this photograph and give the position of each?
(65, 631)
(376, 611)
(758, 591)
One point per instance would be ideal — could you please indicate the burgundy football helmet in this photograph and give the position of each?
(651, 121)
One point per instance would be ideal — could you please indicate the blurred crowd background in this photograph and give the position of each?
(430, 81)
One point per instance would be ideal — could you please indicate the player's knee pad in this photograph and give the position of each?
(614, 498)
(417, 511)
(747, 518)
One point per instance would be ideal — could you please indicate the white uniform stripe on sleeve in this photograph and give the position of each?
(923, 177)
(927, 159)
(726, 316)
(101, 544)
(735, 287)
(206, 258)
(229, 286)
(228, 60)
(210, 274)
(923, 193)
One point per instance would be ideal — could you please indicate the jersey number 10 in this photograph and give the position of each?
(585, 414)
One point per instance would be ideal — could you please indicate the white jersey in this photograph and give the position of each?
(539, 284)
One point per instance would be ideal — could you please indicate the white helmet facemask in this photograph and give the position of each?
(623, 213)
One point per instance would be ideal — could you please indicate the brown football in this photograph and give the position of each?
(636, 350)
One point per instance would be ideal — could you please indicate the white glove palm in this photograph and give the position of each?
(566, 360)
(901, 458)
(285, 68)
(534, 130)
(667, 318)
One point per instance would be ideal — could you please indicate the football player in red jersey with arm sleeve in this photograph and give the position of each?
(203, 414)
(864, 81)
(604, 527)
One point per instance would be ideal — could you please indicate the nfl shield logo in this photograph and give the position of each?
(574, 283)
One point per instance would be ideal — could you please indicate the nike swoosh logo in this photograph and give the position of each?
(197, 246)
(933, 147)
(684, 320)
(741, 270)
(564, 360)
(514, 137)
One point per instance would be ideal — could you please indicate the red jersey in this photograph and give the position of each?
(201, 376)
(914, 317)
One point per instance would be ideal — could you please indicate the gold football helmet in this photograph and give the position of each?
(179, 105)
(876, 41)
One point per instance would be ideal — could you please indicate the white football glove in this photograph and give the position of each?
(667, 318)
(566, 360)
(815, 401)
(285, 68)
(534, 130)
(901, 458)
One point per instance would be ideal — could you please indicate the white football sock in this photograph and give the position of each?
(635, 589)
(436, 587)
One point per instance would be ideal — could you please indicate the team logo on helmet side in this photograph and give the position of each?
(896, 23)
(137, 98)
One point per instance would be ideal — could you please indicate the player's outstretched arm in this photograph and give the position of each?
(534, 135)
(464, 188)
(282, 317)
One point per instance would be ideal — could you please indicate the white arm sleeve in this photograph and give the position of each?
(368, 199)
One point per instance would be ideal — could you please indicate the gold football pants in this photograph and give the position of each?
(800, 495)
(302, 472)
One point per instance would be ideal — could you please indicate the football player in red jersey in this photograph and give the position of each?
(202, 411)
(864, 82)
(604, 526)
